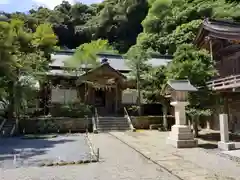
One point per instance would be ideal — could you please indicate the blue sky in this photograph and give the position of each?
(25, 5)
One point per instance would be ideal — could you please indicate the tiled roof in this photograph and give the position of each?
(59, 59)
(222, 29)
(181, 85)
(115, 61)
(58, 72)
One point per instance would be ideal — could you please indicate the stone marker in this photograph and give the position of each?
(224, 144)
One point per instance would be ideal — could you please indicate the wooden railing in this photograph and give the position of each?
(225, 83)
(129, 120)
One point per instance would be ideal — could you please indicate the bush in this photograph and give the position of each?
(77, 110)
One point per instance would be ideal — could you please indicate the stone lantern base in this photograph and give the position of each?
(181, 137)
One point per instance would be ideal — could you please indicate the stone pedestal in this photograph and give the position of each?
(181, 135)
(224, 144)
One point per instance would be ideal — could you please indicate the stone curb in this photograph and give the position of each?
(147, 157)
(93, 154)
(68, 163)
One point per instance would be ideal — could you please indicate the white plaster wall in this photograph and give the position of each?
(129, 96)
(63, 96)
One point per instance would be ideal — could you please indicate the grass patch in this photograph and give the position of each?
(140, 130)
(38, 136)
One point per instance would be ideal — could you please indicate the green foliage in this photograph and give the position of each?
(193, 64)
(21, 58)
(119, 21)
(154, 82)
(44, 37)
(137, 59)
(170, 23)
(86, 54)
(75, 110)
(192, 112)
(196, 66)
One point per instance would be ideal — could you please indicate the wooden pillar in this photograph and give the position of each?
(211, 47)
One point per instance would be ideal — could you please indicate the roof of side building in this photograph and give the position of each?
(115, 61)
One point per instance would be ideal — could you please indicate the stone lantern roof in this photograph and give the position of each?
(178, 85)
(181, 85)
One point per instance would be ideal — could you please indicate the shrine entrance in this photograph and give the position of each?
(100, 97)
(104, 86)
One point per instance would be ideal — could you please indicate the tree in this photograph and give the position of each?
(193, 64)
(198, 67)
(119, 21)
(137, 59)
(87, 53)
(170, 23)
(21, 57)
(44, 39)
(154, 81)
(195, 114)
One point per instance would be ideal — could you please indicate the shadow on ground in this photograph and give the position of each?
(208, 146)
(17, 152)
(215, 137)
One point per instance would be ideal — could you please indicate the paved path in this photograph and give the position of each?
(118, 162)
(234, 153)
(188, 164)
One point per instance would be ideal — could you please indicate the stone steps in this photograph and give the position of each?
(113, 124)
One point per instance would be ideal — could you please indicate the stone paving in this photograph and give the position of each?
(188, 164)
(18, 152)
(235, 153)
(117, 162)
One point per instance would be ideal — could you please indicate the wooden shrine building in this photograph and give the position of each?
(222, 39)
(103, 86)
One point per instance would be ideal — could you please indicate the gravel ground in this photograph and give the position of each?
(190, 164)
(117, 162)
(18, 152)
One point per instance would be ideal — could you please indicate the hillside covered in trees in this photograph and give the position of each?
(117, 21)
(157, 24)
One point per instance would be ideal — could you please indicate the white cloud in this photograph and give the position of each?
(50, 3)
(4, 1)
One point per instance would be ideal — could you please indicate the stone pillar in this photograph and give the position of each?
(181, 135)
(116, 98)
(224, 144)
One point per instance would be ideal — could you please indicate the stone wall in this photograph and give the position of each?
(55, 125)
(143, 122)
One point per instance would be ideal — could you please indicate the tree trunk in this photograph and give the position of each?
(11, 106)
(195, 126)
(165, 122)
(139, 92)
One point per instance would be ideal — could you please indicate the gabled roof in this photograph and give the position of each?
(181, 85)
(221, 29)
(102, 66)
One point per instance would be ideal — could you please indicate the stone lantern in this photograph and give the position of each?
(181, 135)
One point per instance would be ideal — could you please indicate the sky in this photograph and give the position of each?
(25, 5)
